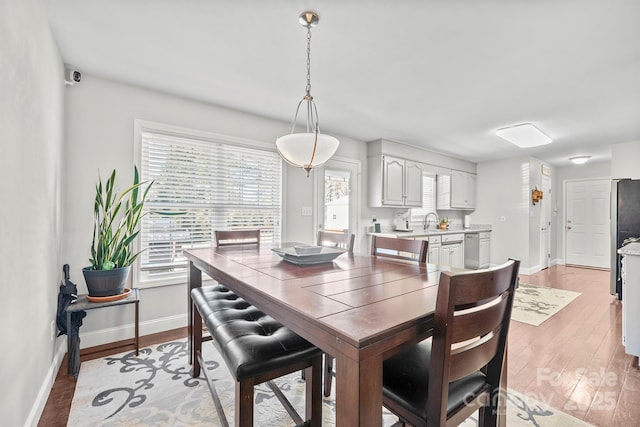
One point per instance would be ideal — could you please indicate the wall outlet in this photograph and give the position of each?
(54, 330)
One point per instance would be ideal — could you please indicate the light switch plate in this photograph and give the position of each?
(306, 211)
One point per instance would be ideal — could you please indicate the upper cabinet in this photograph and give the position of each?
(394, 182)
(456, 191)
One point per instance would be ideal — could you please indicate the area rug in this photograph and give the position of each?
(155, 389)
(534, 304)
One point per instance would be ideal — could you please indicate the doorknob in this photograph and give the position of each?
(568, 227)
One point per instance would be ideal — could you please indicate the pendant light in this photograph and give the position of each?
(310, 148)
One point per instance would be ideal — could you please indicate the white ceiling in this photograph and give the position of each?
(442, 74)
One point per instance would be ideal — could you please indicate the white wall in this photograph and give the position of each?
(624, 160)
(100, 118)
(31, 166)
(503, 201)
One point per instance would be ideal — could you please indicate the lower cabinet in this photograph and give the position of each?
(452, 255)
(433, 255)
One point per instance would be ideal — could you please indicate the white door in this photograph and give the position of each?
(545, 223)
(587, 223)
(337, 196)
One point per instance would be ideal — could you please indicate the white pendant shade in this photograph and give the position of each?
(297, 149)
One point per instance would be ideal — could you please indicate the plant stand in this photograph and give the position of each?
(83, 304)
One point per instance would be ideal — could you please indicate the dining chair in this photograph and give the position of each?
(340, 241)
(237, 237)
(403, 249)
(336, 240)
(445, 379)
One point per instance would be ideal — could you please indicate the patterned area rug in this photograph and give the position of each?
(155, 389)
(535, 304)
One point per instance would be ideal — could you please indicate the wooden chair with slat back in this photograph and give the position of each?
(403, 249)
(237, 237)
(336, 240)
(340, 241)
(443, 380)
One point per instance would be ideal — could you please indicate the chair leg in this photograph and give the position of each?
(328, 374)
(244, 403)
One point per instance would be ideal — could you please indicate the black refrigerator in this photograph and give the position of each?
(625, 223)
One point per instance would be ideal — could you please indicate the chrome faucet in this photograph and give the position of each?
(425, 221)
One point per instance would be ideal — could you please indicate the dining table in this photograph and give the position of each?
(360, 309)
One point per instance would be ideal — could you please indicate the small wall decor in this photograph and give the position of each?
(536, 195)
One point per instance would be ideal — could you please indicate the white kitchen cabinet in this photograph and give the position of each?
(394, 182)
(631, 297)
(433, 250)
(456, 191)
(452, 255)
(451, 251)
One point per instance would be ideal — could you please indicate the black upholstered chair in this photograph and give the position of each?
(402, 249)
(445, 379)
(340, 241)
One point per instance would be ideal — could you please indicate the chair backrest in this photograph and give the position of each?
(404, 249)
(237, 237)
(472, 317)
(336, 240)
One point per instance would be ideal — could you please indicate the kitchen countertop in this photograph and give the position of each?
(417, 232)
(630, 249)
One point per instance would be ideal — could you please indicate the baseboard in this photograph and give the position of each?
(59, 350)
(126, 332)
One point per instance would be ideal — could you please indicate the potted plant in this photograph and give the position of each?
(116, 220)
(444, 223)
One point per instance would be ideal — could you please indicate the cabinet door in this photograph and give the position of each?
(445, 255)
(463, 190)
(433, 256)
(413, 184)
(392, 181)
(471, 190)
(457, 256)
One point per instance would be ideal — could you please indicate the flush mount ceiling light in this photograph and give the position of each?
(579, 160)
(311, 148)
(524, 135)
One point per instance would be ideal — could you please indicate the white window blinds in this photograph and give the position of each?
(218, 186)
(428, 199)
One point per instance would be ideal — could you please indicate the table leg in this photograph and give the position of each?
(359, 391)
(195, 281)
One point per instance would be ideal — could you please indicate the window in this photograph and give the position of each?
(428, 199)
(217, 183)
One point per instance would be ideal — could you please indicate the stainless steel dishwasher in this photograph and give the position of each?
(476, 250)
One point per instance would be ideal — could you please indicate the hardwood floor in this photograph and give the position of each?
(574, 361)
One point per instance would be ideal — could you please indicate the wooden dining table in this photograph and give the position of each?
(359, 309)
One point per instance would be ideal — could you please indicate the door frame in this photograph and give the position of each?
(355, 202)
(545, 242)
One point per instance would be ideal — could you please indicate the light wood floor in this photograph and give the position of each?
(574, 361)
